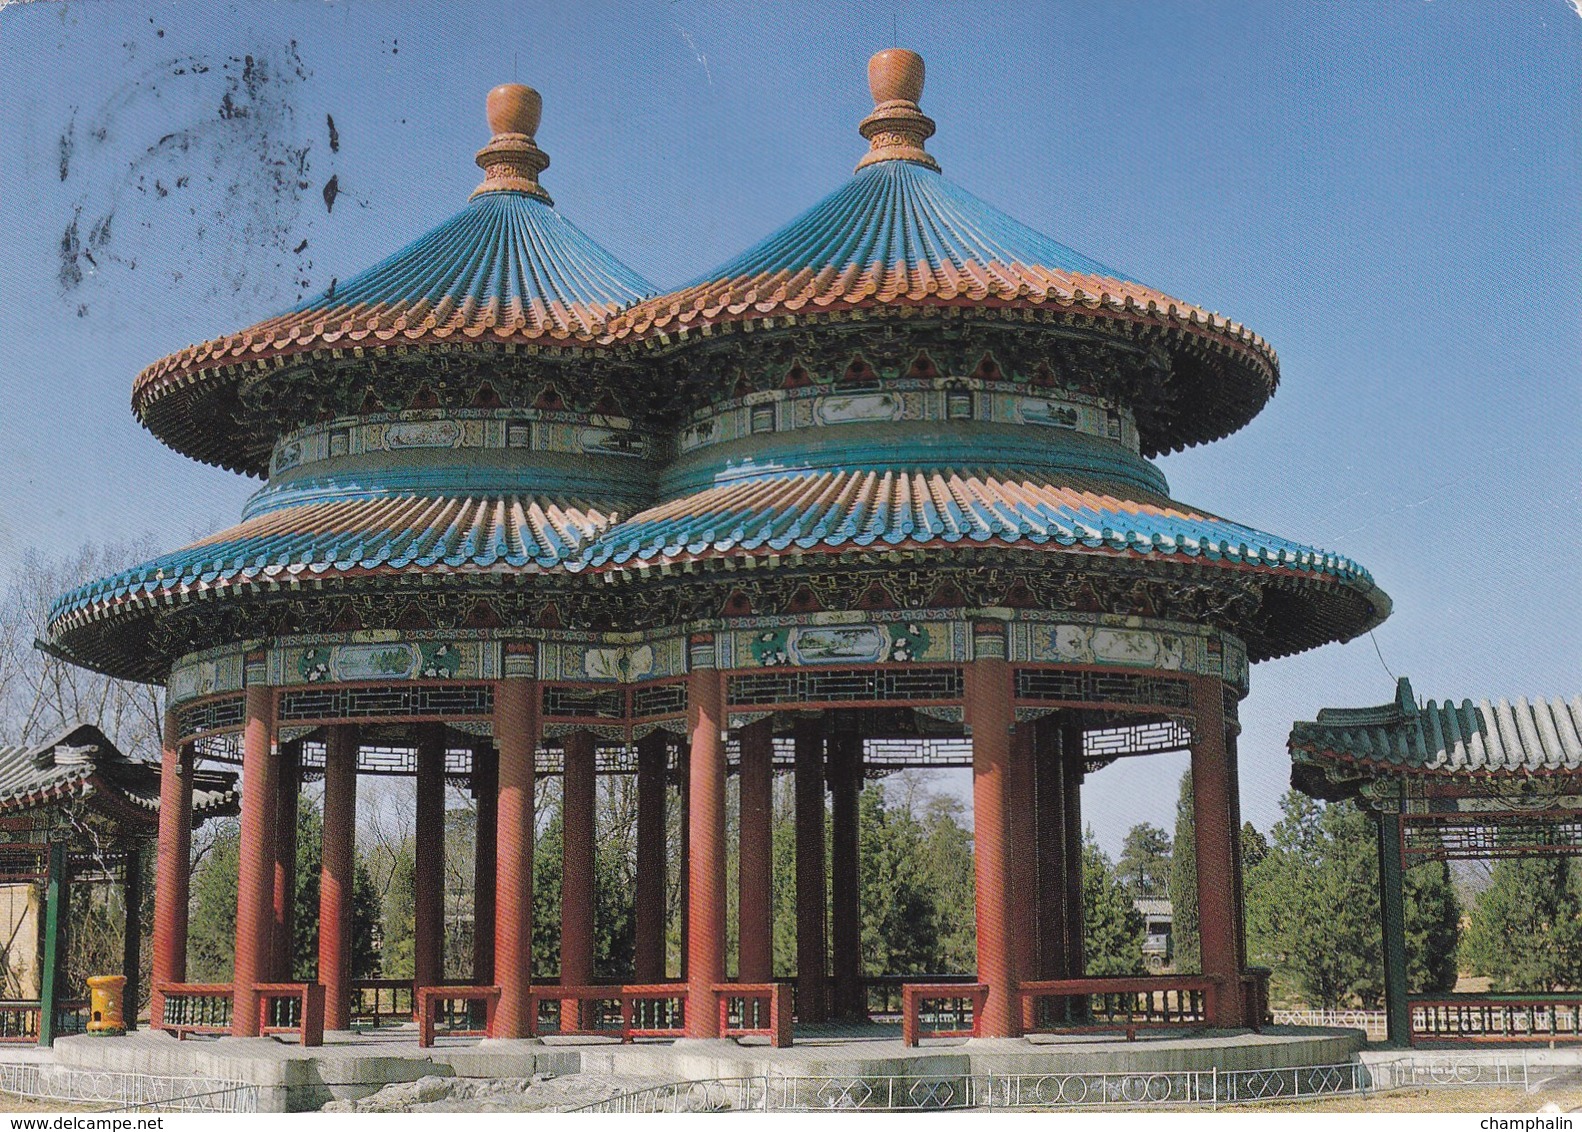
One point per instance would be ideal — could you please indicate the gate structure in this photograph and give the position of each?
(1449, 782)
(75, 810)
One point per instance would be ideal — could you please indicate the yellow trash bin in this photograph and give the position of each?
(104, 1004)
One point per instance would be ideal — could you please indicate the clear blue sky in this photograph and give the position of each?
(1389, 192)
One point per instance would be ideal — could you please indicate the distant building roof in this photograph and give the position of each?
(1158, 907)
(1346, 746)
(80, 762)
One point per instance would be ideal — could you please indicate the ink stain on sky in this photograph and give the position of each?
(197, 159)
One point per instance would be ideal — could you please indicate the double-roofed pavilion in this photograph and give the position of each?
(877, 492)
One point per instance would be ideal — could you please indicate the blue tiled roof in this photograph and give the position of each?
(816, 512)
(1542, 736)
(507, 269)
(896, 214)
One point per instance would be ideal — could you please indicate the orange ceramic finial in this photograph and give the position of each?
(514, 109)
(512, 161)
(897, 129)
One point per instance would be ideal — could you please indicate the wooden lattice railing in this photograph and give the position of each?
(459, 1011)
(1126, 1003)
(941, 1010)
(382, 1002)
(759, 1009)
(292, 1008)
(19, 1019)
(883, 993)
(192, 1008)
(209, 1008)
(649, 1010)
(1491, 1018)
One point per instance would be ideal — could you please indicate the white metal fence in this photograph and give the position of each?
(41, 1081)
(1208, 1088)
(1427, 1070)
(917, 1093)
(1372, 1021)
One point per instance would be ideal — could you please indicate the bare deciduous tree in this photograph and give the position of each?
(40, 693)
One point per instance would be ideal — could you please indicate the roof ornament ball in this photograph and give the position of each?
(897, 128)
(512, 161)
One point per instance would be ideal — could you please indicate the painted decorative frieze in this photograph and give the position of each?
(535, 430)
(787, 410)
(205, 674)
(382, 655)
(1130, 646)
(843, 639)
(612, 663)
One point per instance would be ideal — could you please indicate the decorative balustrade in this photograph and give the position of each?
(192, 1008)
(19, 1019)
(1255, 998)
(287, 1008)
(883, 992)
(453, 1011)
(382, 1002)
(653, 1010)
(756, 1009)
(1126, 1003)
(1371, 1022)
(941, 1010)
(1491, 1018)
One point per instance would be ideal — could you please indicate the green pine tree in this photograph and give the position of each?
(1112, 926)
(1525, 930)
(900, 928)
(211, 925)
(1313, 909)
(1144, 863)
(1254, 846)
(1183, 884)
(1433, 929)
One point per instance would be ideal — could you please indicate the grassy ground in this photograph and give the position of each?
(11, 1102)
(1425, 1100)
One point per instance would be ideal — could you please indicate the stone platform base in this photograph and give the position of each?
(351, 1066)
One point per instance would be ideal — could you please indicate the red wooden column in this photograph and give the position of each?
(1214, 808)
(684, 793)
(486, 799)
(516, 737)
(812, 981)
(173, 867)
(755, 858)
(288, 783)
(1049, 785)
(649, 960)
(428, 882)
(1071, 733)
(579, 785)
(1023, 826)
(705, 942)
(336, 874)
(1233, 772)
(845, 783)
(255, 883)
(990, 711)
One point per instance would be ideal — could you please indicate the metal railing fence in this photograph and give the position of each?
(1208, 1088)
(125, 1091)
(1370, 1021)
